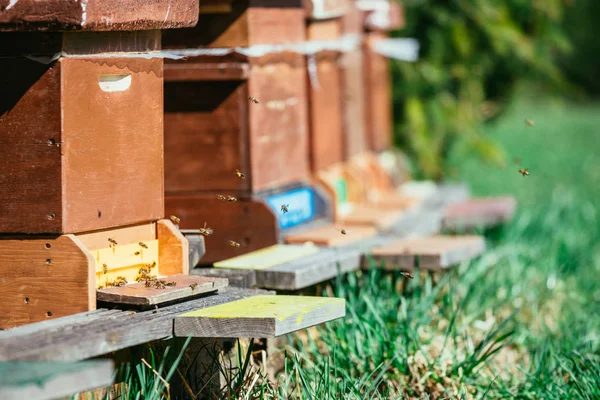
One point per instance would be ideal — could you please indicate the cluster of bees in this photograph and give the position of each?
(152, 281)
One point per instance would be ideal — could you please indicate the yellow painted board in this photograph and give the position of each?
(268, 257)
(125, 260)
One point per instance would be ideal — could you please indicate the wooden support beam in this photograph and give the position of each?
(52, 380)
(263, 316)
(433, 253)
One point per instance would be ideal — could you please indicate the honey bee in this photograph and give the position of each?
(206, 231)
(343, 231)
(119, 281)
(284, 208)
(233, 244)
(239, 174)
(144, 245)
(221, 197)
(253, 99)
(231, 199)
(112, 242)
(137, 253)
(100, 287)
(524, 171)
(104, 269)
(406, 275)
(529, 122)
(175, 219)
(193, 285)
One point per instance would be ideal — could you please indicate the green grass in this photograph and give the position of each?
(520, 322)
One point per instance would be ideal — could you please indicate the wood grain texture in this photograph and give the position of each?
(112, 144)
(249, 222)
(237, 278)
(480, 212)
(137, 294)
(96, 15)
(434, 252)
(379, 96)
(52, 380)
(310, 270)
(88, 337)
(204, 71)
(44, 278)
(206, 136)
(264, 316)
(354, 103)
(173, 249)
(246, 25)
(330, 235)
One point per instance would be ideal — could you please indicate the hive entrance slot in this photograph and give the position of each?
(114, 82)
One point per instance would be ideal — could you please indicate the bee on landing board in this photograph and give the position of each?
(231, 199)
(253, 99)
(233, 244)
(175, 219)
(104, 269)
(143, 245)
(204, 231)
(285, 208)
(239, 174)
(193, 285)
(529, 122)
(406, 275)
(524, 171)
(221, 197)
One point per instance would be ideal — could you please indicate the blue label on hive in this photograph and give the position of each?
(300, 204)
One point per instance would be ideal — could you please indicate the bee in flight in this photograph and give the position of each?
(175, 219)
(233, 244)
(343, 231)
(143, 245)
(112, 242)
(285, 208)
(104, 269)
(137, 253)
(231, 199)
(253, 99)
(221, 197)
(529, 122)
(193, 285)
(406, 275)
(239, 174)
(524, 171)
(206, 231)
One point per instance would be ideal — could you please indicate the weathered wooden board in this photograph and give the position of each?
(310, 270)
(99, 161)
(268, 257)
(366, 214)
(479, 212)
(331, 235)
(137, 294)
(261, 316)
(449, 193)
(434, 252)
(250, 223)
(238, 278)
(44, 278)
(100, 332)
(247, 24)
(96, 15)
(196, 245)
(52, 380)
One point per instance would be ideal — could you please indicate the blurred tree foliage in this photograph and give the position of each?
(473, 52)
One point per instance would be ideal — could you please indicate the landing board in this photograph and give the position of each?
(365, 214)
(140, 295)
(263, 316)
(267, 257)
(433, 252)
(51, 380)
(479, 212)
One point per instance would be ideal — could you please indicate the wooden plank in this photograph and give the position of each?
(479, 212)
(196, 246)
(237, 277)
(434, 252)
(330, 235)
(307, 271)
(44, 278)
(173, 249)
(267, 257)
(98, 15)
(264, 316)
(138, 294)
(112, 144)
(249, 222)
(105, 335)
(200, 71)
(51, 380)
(354, 103)
(366, 214)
